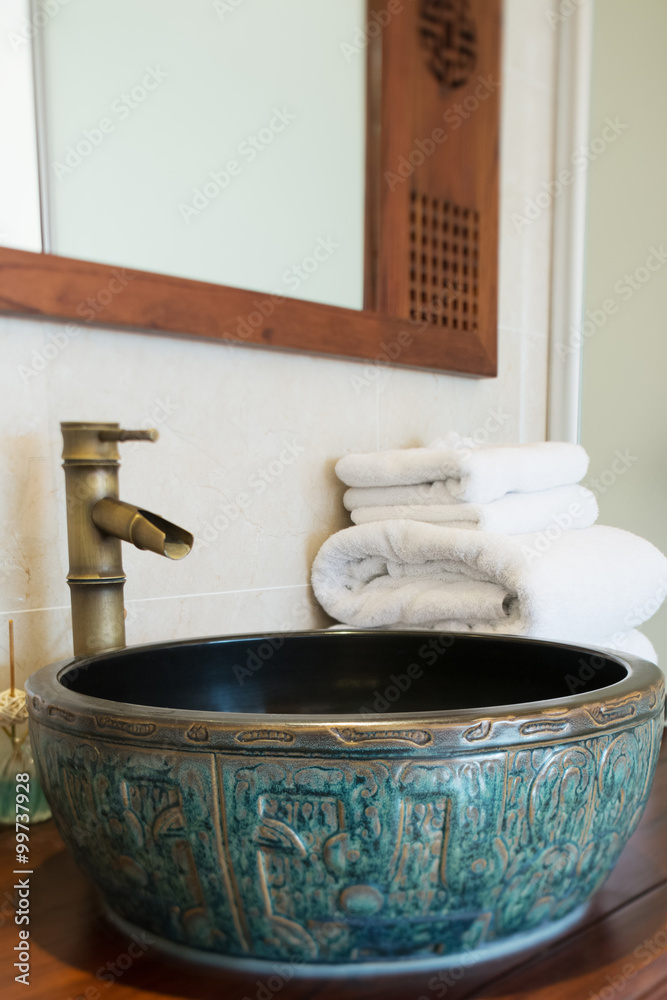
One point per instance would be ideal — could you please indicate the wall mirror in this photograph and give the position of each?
(318, 175)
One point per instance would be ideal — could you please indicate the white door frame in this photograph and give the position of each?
(575, 52)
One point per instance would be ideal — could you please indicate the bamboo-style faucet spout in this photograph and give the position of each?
(97, 522)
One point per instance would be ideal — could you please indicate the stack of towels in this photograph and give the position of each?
(488, 539)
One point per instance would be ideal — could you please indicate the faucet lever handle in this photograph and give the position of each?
(120, 435)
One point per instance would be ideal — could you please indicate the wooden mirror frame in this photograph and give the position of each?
(431, 228)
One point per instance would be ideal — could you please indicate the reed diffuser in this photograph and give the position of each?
(16, 754)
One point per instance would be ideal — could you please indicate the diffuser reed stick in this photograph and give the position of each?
(12, 669)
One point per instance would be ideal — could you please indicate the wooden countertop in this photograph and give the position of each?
(618, 951)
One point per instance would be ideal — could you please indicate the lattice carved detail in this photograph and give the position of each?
(444, 263)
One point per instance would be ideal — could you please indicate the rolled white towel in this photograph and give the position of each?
(578, 587)
(555, 510)
(476, 475)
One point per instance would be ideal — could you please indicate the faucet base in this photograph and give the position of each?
(98, 615)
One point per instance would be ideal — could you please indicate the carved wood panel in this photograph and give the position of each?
(438, 224)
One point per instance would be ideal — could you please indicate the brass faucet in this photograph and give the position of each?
(97, 522)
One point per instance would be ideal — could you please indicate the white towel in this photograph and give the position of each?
(476, 475)
(555, 510)
(398, 496)
(581, 587)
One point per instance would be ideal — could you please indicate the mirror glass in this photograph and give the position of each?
(20, 225)
(220, 140)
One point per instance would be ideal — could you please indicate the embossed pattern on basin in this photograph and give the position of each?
(244, 796)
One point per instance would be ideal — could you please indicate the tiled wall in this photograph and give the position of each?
(249, 438)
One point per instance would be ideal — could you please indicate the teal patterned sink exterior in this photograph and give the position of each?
(347, 839)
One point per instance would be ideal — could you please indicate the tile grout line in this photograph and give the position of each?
(167, 597)
(217, 593)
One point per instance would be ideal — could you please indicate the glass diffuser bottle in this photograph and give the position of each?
(16, 756)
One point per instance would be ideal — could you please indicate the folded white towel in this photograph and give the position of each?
(477, 475)
(390, 496)
(580, 587)
(555, 510)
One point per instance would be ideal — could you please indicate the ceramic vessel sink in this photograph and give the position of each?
(329, 798)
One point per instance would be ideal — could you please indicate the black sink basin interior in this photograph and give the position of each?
(342, 673)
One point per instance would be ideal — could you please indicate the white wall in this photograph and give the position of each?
(624, 408)
(227, 414)
(217, 142)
